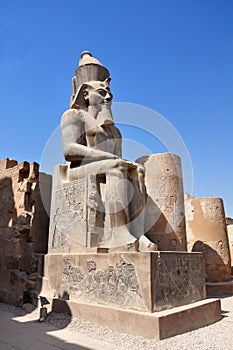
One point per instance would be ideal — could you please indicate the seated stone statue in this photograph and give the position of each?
(113, 190)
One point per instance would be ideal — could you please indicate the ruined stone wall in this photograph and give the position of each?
(23, 230)
(229, 222)
(207, 233)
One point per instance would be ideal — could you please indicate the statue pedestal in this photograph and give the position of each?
(159, 325)
(154, 294)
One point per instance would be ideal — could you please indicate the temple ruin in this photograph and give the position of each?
(124, 246)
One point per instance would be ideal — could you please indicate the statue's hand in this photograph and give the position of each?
(116, 157)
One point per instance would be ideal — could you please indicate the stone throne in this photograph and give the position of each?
(117, 241)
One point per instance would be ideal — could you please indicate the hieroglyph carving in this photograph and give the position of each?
(70, 214)
(116, 285)
(178, 280)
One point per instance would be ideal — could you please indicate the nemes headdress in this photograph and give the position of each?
(89, 69)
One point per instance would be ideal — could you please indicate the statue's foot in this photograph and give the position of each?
(145, 245)
(130, 247)
(119, 239)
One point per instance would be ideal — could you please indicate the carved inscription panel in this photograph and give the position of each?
(180, 279)
(68, 215)
(114, 285)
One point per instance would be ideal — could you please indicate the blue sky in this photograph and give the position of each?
(175, 57)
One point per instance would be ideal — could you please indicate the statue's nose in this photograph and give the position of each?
(108, 97)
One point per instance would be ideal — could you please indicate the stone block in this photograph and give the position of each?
(146, 281)
(158, 325)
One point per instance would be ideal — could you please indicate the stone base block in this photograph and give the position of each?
(145, 281)
(158, 325)
(219, 288)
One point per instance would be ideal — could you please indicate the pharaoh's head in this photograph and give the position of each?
(90, 86)
(97, 92)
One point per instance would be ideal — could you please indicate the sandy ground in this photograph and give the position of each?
(21, 330)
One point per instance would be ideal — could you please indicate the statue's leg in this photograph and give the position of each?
(116, 205)
(137, 201)
(137, 208)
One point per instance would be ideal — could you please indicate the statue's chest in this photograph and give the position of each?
(101, 137)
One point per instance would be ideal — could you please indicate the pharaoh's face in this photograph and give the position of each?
(97, 92)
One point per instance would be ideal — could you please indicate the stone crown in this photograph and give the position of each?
(89, 69)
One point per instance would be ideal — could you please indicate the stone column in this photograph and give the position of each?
(164, 214)
(207, 233)
(230, 239)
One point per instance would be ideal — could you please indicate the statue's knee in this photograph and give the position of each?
(119, 165)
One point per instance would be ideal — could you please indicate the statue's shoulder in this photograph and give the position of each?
(115, 131)
(71, 116)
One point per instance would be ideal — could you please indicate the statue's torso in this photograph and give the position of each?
(98, 135)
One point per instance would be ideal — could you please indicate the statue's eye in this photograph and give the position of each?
(102, 92)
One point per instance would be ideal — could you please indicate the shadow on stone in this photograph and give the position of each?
(215, 268)
(159, 230)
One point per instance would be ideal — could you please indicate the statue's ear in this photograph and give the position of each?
(107, 81)
(85, 91)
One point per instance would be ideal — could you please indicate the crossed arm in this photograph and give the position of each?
(73, 134)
